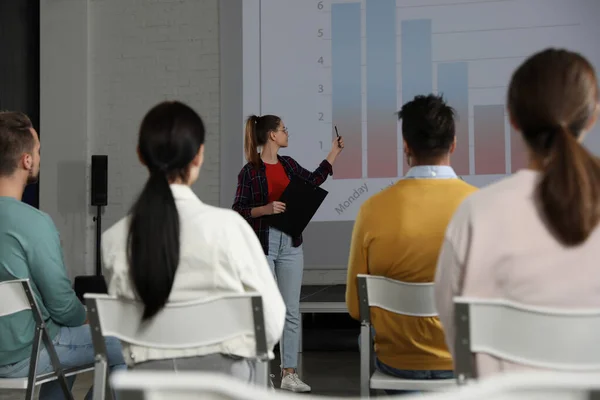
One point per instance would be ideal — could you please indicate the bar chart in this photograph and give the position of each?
(352, 64)
(417, 69)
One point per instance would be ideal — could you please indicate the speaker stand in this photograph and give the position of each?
(93, 283)
(98, 221)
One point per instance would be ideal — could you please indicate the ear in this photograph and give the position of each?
(594, 118)
(27, 162)
(453, 145)
(199, 159)
(139, 154)
(590, 124)
(406, 148)
(513, 123)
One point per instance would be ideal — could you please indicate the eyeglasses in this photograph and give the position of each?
(285, 130)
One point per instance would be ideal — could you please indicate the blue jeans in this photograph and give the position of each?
(287, 265)
(407, 373)
(74, 349)
(411, 374)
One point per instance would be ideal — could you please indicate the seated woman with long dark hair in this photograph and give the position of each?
(173, 247)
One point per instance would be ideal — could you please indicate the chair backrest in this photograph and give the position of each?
(415, 299)
(181, 325)
(542, 337)
(15, 296)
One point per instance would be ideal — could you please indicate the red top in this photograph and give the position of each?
(277, 181)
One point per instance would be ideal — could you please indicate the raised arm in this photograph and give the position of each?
(319, 175)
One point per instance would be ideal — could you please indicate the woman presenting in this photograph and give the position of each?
(261, 183)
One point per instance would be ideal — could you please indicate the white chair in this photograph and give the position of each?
(177, 326)
(415, 299)
(155, 385)
(16, 296)
(541, 337)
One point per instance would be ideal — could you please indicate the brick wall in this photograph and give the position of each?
(104, 64)
(144, 52)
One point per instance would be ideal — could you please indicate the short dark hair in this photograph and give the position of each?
(15, 139)
(427, 126)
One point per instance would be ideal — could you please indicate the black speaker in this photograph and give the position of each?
(99, 180)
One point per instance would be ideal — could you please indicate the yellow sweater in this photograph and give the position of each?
(398, 234)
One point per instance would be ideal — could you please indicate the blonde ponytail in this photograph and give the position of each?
(250, 142)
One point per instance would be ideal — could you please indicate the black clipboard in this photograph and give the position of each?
(302, 200)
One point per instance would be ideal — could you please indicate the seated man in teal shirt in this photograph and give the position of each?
(30, 249)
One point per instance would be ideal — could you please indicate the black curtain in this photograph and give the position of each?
(20, 66)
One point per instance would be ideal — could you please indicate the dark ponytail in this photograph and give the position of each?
(171, 136)
(553, 100)
(154, 243)
(256, 134)
(569, 190)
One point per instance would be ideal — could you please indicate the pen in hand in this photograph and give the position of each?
(338, 136)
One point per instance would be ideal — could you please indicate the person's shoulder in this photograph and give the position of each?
(21, 209)
(462, 189)
(288, 160)
(373, 202)
(27, 217)
(248, 170)
(220, 221)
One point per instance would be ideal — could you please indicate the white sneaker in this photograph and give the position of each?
(293, 383)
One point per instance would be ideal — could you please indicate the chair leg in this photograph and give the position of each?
(30, 390)
(365, 361)
(35, 354)
(100, 377)
(262, 373)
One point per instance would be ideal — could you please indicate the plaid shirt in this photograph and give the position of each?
(253, 190)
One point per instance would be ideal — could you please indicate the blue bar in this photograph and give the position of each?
(346, 86)
(382, 140)
(453, 84)
(417, 68)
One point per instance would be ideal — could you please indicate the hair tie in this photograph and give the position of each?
(163, 167)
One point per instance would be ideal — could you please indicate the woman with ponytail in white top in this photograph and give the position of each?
(173, 248)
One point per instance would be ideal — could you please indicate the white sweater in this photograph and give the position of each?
(219, 254)
(497, 246)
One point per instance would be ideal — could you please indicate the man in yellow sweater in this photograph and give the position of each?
(398, 234)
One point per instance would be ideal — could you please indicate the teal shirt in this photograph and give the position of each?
(30, 249)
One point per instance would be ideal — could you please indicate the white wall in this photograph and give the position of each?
(104, 63)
